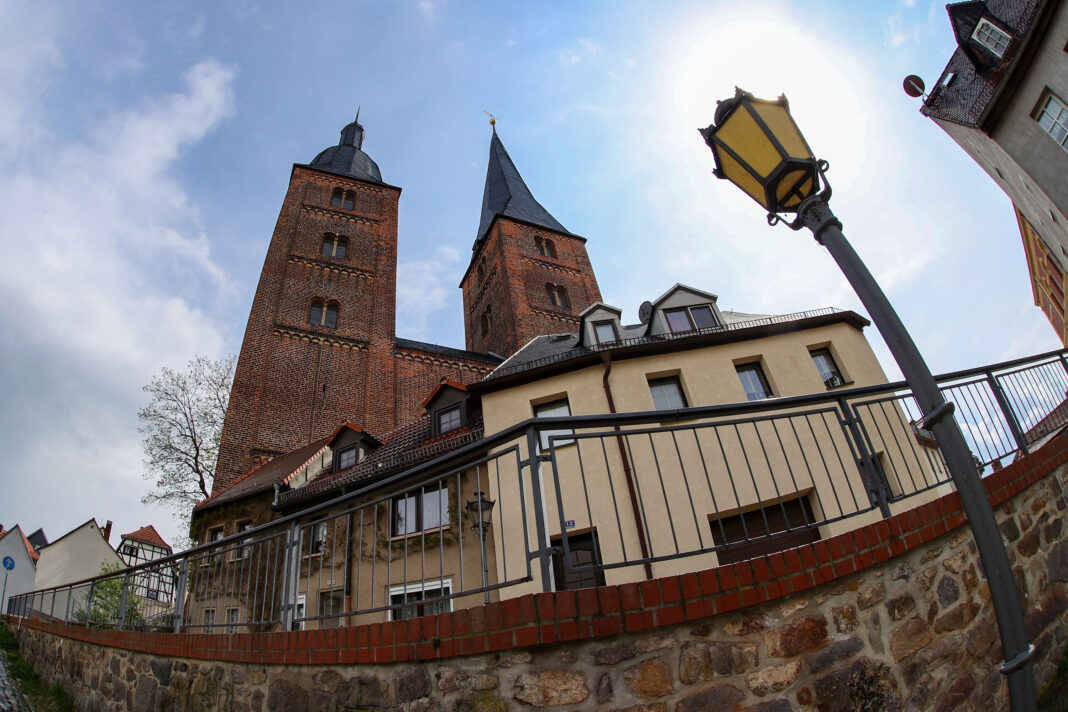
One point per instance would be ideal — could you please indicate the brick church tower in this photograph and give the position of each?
(528, 275)
(320, 346)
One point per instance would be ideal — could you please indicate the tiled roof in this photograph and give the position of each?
(148, 535)
(968, 95)
(268, 474)
(404, 447)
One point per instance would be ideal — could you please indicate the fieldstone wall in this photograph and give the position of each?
(914, 632)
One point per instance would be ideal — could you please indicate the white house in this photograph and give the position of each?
(19, 565)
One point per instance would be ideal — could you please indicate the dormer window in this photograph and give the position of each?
(991, 37)
(687, 319)
(448, 419)
(345, 458)
(605, 332)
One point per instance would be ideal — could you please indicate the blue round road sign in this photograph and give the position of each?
(9, 563)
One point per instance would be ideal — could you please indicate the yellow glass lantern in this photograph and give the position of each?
(758, 147)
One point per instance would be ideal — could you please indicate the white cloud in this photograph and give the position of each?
(28, 54)
(421, 291)
(582, 50)
(104, 271)
(429, 8)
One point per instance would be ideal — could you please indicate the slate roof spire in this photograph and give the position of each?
(347, 157)
(507, 195)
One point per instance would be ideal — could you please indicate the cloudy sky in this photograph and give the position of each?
(145, 150)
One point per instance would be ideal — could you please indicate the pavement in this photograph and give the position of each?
(11, 700)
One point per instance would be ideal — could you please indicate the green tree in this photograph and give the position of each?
(105, 608)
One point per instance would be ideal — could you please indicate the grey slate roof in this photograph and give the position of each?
(556, 349)
(346, 158)
(446, 351)
(967, 97)
(506, 194)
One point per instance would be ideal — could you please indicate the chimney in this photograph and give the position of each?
(107, 532)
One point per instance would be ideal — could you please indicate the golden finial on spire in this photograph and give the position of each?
(493, 119)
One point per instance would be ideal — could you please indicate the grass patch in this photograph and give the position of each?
(42, 696)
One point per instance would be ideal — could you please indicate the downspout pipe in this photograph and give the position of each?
(606, 356)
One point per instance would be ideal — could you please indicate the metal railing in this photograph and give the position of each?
(578, 501)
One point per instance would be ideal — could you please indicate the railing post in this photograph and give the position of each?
(70, 601)
(873, 475)
(544, 552)
(290, 576)
(179, 595)
(1006, 410)
(123, 600)
(89, 604)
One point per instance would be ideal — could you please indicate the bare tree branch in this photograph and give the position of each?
(182, 425)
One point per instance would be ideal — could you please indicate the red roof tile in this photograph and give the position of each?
(148, 535)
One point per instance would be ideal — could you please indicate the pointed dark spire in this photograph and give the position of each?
(507, 195)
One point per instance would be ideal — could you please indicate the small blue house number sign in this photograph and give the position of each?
(569, 524)
(9, 563)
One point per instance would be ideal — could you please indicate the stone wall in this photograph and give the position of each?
(908, 625)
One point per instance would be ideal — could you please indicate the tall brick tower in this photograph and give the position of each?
(320, 345)
(528, 275)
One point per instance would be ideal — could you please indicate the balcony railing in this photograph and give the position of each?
(579, 501)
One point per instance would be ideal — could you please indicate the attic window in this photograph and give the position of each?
(345, 458)
(448, 419)
(992, 37)
(605, 331)
(689, 318)
(949, 78)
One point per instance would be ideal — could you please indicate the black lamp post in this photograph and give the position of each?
(480, 508)
(758, 147)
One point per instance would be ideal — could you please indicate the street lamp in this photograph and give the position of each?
(480, 508)
(758, 147)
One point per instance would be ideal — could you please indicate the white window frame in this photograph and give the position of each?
(544, 435)
(1047, 121)
(659, 382)
(440, 584)
(992, 38)
(299, 612)
(233, 616)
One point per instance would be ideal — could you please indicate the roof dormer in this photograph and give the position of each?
(984, 38)
(600, 325)
(450, 407)
(344, 449)
(683, 310)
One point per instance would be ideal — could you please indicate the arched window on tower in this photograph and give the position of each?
(323, 314)
(350, 200)
(482, 270)
(335, 198)
(335, 245)
(487, 320)
(545, 247)
(557, 295)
